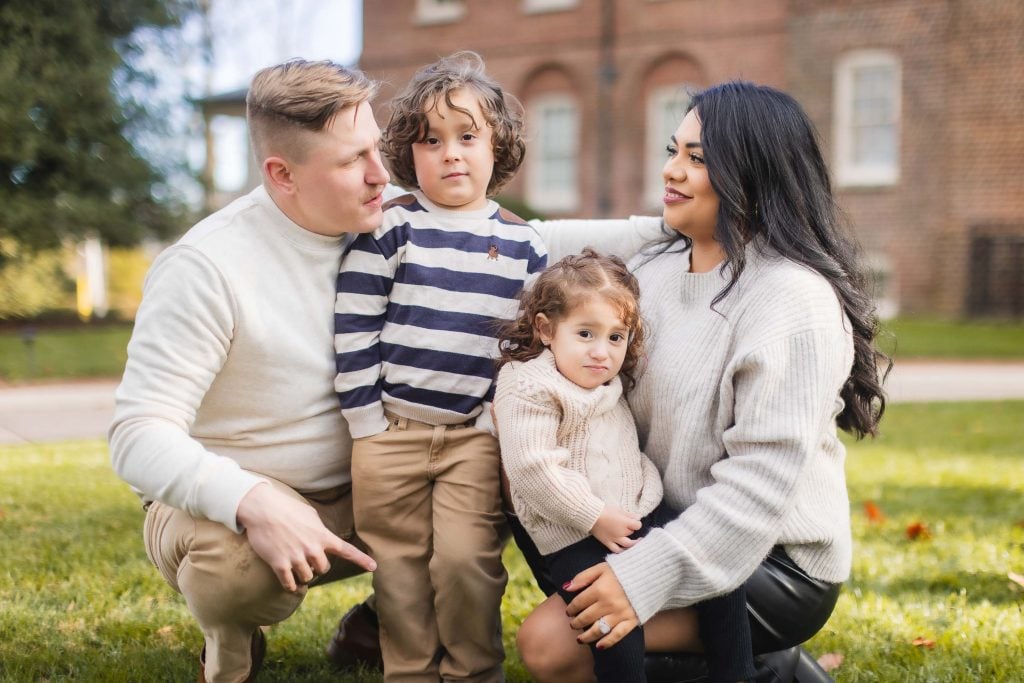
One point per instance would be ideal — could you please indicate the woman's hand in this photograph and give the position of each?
(613, 528)
(601, 598)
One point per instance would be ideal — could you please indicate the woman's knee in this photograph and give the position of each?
(548, 647)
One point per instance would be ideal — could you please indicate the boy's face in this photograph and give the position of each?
(455, 161)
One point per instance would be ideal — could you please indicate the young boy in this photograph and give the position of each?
(415, 322)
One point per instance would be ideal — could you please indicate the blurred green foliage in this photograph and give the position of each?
(31, 283)
(74, 95)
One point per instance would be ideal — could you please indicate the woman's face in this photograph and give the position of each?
(691, 205)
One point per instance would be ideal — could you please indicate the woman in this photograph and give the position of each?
(761, 345)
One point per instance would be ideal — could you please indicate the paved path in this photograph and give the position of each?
(81, 410)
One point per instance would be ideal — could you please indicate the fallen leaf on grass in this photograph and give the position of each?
(918, 531)
(3, 513)
(1016, 578)
(923, 642)
(1019, 524)
(830, 661)
(873, 512)
(165, 631)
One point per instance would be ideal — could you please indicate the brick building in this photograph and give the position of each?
(919, 103)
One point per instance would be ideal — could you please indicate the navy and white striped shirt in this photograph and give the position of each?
(416, 308)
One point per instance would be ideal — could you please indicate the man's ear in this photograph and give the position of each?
(545, 328)
(279, 174)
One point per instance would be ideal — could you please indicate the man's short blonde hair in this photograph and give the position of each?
(290, 100)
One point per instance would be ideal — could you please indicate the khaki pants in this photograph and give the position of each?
(229, 589)
(427, 504)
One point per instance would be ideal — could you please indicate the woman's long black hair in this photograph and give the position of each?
(765, 164)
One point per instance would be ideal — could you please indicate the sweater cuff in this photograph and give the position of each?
(648, 573)
(366, 420)
(222, 492)
(485, 420)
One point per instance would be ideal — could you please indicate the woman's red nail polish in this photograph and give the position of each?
(599, 646)
(579, 639)
(565, 586)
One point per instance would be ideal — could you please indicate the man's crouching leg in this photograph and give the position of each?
(229, 589)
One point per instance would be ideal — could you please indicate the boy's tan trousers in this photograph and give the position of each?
(427, 504)
(229, 589)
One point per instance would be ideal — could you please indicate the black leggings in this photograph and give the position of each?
(723, 630)
(784, 604)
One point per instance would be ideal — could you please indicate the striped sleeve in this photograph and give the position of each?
(363, 287)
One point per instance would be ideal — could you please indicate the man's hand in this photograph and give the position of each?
(613, 528)
(290, 537)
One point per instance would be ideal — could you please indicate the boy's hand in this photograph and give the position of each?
(613, 528)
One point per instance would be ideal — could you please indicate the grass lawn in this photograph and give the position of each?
(65, 353)
(81, 602)
(904, 338)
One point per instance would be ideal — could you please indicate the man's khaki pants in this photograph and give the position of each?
(229, 589)
(427, 504)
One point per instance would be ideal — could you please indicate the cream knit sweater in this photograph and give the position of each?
(736, 408)
(230, 370)
(568, 451)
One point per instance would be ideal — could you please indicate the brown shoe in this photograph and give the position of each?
(259, 649)
(357, 641)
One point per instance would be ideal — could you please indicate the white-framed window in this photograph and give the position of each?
(665, 108)
(867, 118)
(552, 181)
(231, 154)
(537, 6)
(439, 11)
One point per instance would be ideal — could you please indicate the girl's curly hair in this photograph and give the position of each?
(566, 285)
(437, 81)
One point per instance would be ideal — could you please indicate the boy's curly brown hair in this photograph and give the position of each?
(564, 286)
(408, 123)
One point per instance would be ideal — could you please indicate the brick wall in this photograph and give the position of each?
(744, 37)
(962, 136)
(962, 149)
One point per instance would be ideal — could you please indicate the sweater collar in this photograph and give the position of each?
(479, 214)
(601, 397)
(708, 285)
(292, 231)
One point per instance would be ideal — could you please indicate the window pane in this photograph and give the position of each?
(873, 120)
(553, 173)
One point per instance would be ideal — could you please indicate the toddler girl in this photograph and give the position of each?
(580, 485)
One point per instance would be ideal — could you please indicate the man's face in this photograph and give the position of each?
(338, 185)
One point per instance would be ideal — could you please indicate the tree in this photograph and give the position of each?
(72, 98)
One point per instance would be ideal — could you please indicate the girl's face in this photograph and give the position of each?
(589, 344)
(455, 161)
(691, 205)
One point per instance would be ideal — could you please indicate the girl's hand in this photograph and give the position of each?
(613, 528)
(601, 598)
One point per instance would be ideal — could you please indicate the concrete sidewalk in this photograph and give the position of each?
(40, 413)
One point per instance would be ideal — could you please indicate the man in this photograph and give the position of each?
(227, 423)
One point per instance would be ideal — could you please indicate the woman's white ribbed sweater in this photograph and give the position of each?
(567, 452)
(737, 408)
